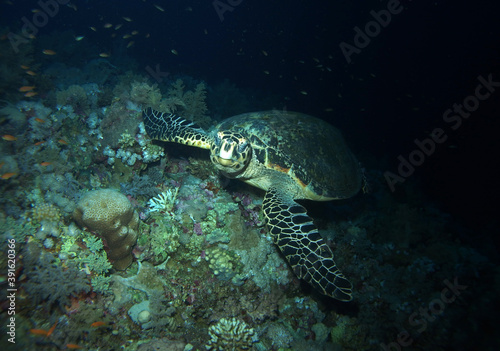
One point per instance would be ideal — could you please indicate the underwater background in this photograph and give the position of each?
(414, 86)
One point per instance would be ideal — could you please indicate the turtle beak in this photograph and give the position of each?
(224, 161)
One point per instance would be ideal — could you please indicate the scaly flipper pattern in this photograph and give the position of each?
(172, 128)
(295, 234)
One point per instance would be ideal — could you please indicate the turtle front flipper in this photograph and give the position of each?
(169, 127)
(302, 245)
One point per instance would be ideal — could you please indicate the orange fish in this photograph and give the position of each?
(45, 164)
(9, 137)
(51, 330)
(73, 346)
(31, 93)
(39, 143)
(38, 332)
(31, 73)
(39, 120)
(49, 52)
(97, 324)
(8, 175)
(25, 67)
(62, 141)
(26, 88)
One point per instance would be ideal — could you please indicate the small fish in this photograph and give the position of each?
(39, 120)
(134, 32)
(97, 324)
(126, 36)
(49, 52)
(31, 73)
(25, 67)
(80, 37)
(35, 10)
(118, 26)
(72, 6)
(9, 137)
(62, 141)
(45, 164)
(104, 54)
(73, 346)
(266, 72)
(32, 331)
(8, 175)
(31, 93)
(159, 8)
(130, 44)
(264, 52)
(173, 51)
(128, 19)
(303, 92)
(108, 25)
(26, 88)
(51, 330)
(93, 28)
(147, 35)
(38, 143)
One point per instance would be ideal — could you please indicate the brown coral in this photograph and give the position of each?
(111, 215)
(44, 212)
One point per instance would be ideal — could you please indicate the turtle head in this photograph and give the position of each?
(231, 152)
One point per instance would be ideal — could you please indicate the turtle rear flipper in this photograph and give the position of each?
(172, 128)
(304, 248)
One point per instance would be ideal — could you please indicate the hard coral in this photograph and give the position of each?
(111, 215)
(230, 334)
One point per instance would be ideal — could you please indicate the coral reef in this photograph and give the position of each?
(49, 282)
(111, 215)
(230, 334)
(205, 274)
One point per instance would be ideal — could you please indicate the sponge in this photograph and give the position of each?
(111, 216)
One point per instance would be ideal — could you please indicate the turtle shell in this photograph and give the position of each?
(312, 152)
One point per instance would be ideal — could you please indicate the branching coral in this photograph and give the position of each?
(164, 201)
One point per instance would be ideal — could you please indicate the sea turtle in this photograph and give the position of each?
(291, 156)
